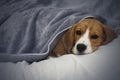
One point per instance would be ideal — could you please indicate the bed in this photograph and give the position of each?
(101, 65)
(29, 29)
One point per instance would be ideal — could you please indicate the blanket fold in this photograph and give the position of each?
(30, 29)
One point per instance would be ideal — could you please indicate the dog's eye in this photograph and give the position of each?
(78, 32)
(94, 36)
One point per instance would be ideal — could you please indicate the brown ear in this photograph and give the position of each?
(69, 39)
(109, 34)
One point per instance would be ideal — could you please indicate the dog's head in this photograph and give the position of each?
(86, 36)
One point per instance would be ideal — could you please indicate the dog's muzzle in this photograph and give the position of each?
(81, 48)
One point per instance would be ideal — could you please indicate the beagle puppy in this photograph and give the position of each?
(83, 37)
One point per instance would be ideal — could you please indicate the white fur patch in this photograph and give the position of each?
(84, 40)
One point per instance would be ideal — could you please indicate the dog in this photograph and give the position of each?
(83, 37)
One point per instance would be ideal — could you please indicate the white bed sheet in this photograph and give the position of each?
(103, 64)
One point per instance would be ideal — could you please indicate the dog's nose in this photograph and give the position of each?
(81, 47)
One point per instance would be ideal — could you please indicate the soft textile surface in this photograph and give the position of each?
(104, 64)
(29, 29)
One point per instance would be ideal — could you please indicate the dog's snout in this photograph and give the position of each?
(81, 47)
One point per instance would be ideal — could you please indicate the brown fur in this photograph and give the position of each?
(69, 38)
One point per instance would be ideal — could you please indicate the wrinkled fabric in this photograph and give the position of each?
(29, 29)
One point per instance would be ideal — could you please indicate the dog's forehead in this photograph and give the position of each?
(90, 23)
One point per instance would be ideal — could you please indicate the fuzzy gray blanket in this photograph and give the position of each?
(29, 29)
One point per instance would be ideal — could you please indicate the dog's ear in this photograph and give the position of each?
(109, 34)
(69, 38)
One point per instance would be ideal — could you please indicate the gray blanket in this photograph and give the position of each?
(29, 29)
